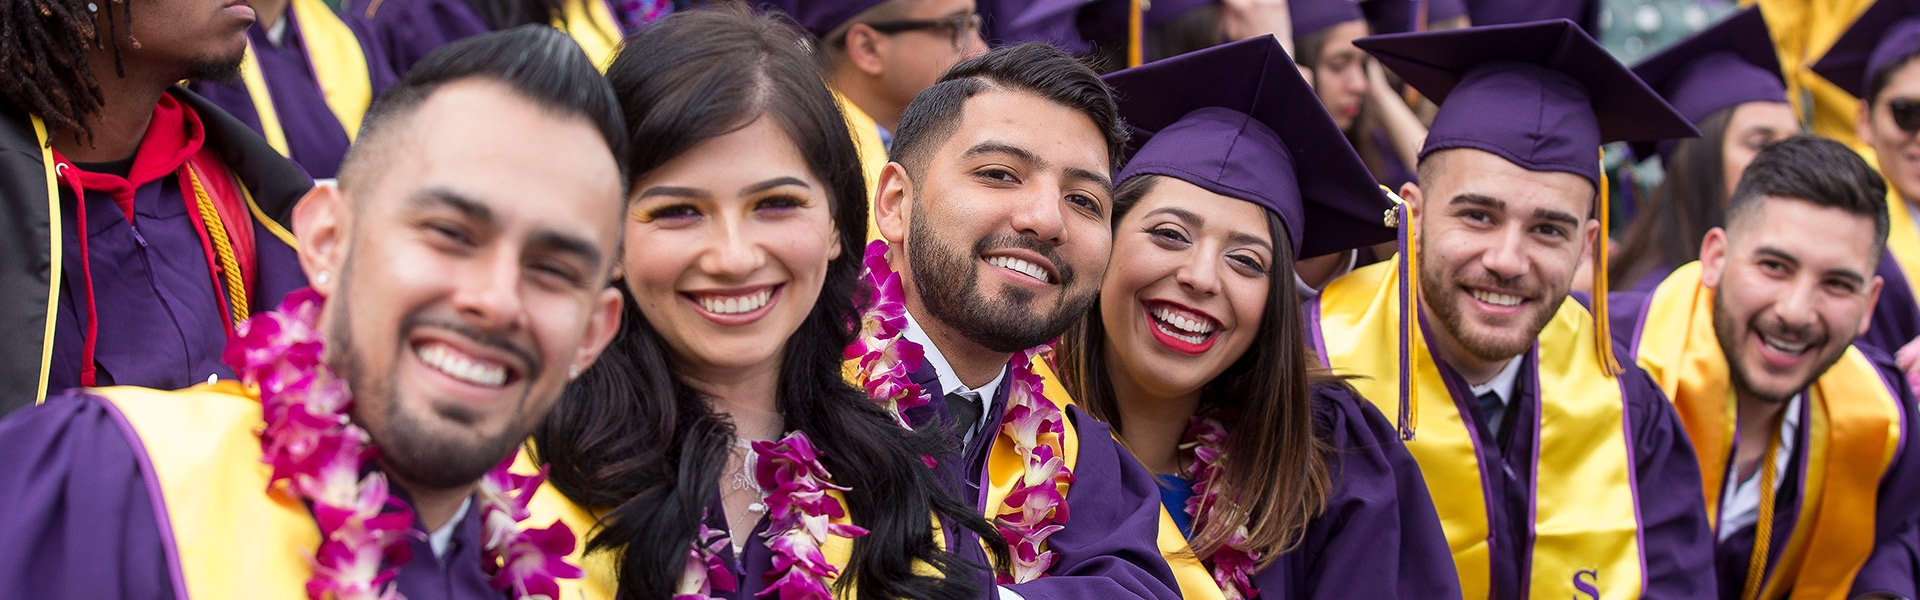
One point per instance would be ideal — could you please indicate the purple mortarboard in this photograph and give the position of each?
(1314, 16)
(1237, 120)
(1724, 66)
(1586, 13)
(1402, 16)
(1543, 95)
(1051, 21)
(821, 17)
(1887, 32)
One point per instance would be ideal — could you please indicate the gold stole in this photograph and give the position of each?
(603, 577)
(591, 25)
(338, 63)
(1850, 443)
(1586, 528)
(873, 154)
(230, 539)
(1903, 240)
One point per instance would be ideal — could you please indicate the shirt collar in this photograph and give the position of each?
(949, 382)
(1502, 383)
(443, 537)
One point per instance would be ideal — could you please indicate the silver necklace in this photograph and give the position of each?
(742, 480)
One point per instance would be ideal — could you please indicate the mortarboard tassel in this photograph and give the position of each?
(1397, 218)
(1603, 326)
(1136, 33)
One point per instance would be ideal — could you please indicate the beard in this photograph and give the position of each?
(1727, 333)
(949, 286)
(214, 68)
(437, 447)
(1488, 348)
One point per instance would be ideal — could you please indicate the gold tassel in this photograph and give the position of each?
(1603, 325)
(1136, 36)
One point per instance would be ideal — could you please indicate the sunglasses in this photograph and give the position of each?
(1905, 113)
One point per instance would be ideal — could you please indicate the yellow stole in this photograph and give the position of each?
(1850, 443)
(873, 154)
(603, 577)
(1903, 239)
(338, 63)
(1586, 530)
(234, 540)
(592, 26)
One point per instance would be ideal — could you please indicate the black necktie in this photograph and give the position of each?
(964, 408)
(1491, 409)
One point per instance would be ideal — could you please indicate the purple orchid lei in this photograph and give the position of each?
(801, 515)
(319, 455)
(1037, 507)
(1232, 565)
(887, 359)
(704, 570)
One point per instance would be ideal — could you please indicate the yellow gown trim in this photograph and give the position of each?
(54, 251)
(591, 24)
(339, 64)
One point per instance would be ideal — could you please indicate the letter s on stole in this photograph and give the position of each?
(1586, 581)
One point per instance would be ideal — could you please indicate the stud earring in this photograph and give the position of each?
(573, 372)
(92, 8)
(320, 278)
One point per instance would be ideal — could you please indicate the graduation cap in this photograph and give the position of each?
(1050, 21)
(1883, 35)
(1245, 125)
(1544, 96)
(821, 17)
(1585, 13)
(1724, 66)
(1314, 16)
(1402, 16)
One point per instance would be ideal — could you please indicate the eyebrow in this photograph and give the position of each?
(1782, 255)
(773, 183)
(1194, 220)
(1023, 155)
(441, 197)
(1545, 214)
(673, 191)
(563, 243)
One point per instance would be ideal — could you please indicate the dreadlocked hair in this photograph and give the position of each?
(44, 44)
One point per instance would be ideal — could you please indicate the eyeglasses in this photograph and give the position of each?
(958, 26)
(1905, 113)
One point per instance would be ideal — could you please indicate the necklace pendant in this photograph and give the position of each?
(757, 507)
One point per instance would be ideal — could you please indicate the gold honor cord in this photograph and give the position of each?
(1763, 529)
(222, 249)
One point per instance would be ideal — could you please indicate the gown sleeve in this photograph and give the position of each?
(1380, 535)
(77, 514)
(1678, 544)
(1107, 550)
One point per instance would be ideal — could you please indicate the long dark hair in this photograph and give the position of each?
(1362, 133)
(1668, 228)
(631, 439)
(1276, 465)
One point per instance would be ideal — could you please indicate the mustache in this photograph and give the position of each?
(1027, 242)
(1778, 328)
(1518, 284)
(490, 339)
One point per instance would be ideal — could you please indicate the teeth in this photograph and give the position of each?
(1027, 268)
(723, 305)
(1186, 325)
(1496, 299)
(459, 366)
(1191, 339)
(1783, 347)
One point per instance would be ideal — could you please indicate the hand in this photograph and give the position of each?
(1242, 19)
(1909, 360)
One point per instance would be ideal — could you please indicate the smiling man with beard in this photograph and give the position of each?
(1554, 471)
(997, 206)
(1814, 477)
(460, 280)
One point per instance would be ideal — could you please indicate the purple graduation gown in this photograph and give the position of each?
(1895, 562)
(160, 315)
(406, 30)
(1380, 536)
(1108, 549)
(80, 521)
(315, 138)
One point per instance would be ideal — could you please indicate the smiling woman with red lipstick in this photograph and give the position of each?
(1282, 479)
(705, 451)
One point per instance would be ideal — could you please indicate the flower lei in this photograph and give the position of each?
(704, 571)
(1233, 564)
(800, 517)
(887, 359)
(1037, 507)
(319, 454)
